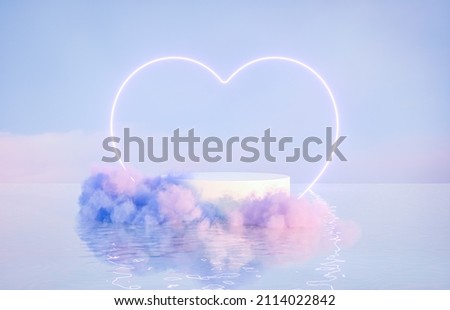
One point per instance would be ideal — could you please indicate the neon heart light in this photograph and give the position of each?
(226, 81)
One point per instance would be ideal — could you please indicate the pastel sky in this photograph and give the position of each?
(387, 63)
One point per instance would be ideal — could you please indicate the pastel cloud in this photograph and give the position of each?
(229, 234)
(48, 157)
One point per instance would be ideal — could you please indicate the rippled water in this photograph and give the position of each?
(210, 259)
(404, 244)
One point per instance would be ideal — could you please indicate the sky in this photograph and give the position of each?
(387, 63)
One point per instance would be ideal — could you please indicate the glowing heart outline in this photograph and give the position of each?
(224, 82)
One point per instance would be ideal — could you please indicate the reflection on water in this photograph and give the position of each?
(215, 257)
(331, 266)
